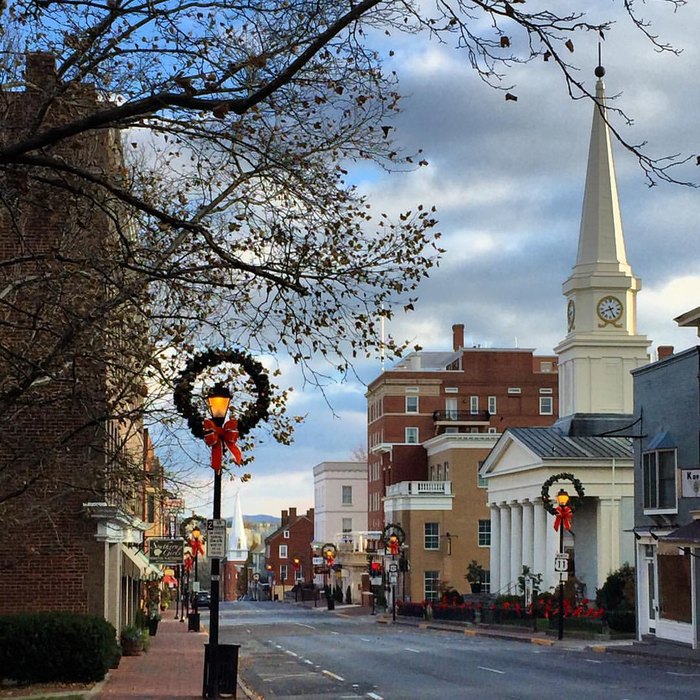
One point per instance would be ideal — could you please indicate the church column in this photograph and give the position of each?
(516, 548)
(504, 578)
(608, 533)
(495, 551)
(540, 539)
(552, 549)
(528, 534)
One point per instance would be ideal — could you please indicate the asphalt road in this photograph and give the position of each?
(292, 652)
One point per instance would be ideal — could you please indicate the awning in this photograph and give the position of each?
(136, 563)
(686, 536)
(170, 580)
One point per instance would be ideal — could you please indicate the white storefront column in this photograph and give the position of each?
(540, 539)
(504, 577)
(516, 548)
(528, 546)
(495, 553)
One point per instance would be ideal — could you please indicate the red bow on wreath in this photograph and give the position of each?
(197, 547)
(217, 437)
(564, 517)
(188, 563)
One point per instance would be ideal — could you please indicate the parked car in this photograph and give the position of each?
(202, 599)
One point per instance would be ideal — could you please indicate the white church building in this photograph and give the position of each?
(591, 439)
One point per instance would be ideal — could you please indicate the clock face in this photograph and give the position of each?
(610, 309)
(570, 313)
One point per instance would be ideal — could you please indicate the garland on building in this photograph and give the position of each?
(564, 476)
(256, 412)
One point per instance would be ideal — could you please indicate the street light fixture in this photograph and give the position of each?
(561, 523)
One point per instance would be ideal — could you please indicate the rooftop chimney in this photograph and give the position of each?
(285, 518)
(292, 514)
(665, 351)
(458, 336)
(40, 71)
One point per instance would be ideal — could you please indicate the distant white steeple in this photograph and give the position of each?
(237, 550)
(602, 345)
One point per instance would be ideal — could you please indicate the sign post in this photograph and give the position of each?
(216, 538)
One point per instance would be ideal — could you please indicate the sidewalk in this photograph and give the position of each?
(173, 667)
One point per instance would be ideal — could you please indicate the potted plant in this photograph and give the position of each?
(131, 640)
(475, 575)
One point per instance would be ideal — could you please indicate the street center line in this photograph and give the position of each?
(493, 670)
(415, 651)
(333, 675)
(364, 639)
(291, 653)
(301, 624)
(374, 696)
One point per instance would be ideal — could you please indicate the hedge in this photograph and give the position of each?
(56, 647)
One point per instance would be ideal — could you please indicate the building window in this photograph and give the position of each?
(486, 581)
(411, 404)
(451, 390)
(347, 525)
(447, 471)
(484, 533)
(432, 535)
(480, 481)
(451, 430)
(545, 390)
(514, 390)
(285, 534)
(473, 404)
(347, 495)
(546, 406)
(430, 585)
(659, 475)
(283, 572)
(412, 436)
(150, 508)
(492, 405)
(283, 551)
(451, 409)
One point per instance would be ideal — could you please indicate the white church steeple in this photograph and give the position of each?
(602, 345)
(237, 550)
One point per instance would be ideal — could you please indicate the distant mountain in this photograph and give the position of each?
(261, 519)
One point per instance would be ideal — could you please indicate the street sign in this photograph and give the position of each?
(163, 550)
(561, 562)
(563, 577)
(256, 577)
(216, 538)
(393, 568)
(393, 578)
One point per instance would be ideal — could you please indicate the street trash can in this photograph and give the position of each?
(330, 602)
(193, 622)
(227, 662)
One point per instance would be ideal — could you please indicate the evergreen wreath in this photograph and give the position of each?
(212, 358)
(564, 476)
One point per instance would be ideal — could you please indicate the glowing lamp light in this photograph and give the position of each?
(562, 498)
(218, 400)
(196, 532)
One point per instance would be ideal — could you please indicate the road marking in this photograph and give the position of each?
(493, 670)
(291, 653)
(307, 661)
(374, 696)
(364, 639)
(415, 651)
(301, 624)
(333, 675)
(685, 675)
(335, 632)
(593, 661)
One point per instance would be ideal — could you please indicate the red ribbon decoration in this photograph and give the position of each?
(197, 547)
(216, 437)
(564, 517)
(188, 563)
(394, 545)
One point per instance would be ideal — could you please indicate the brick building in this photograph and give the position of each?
(291, 541)
(467, 390)
(78, 477)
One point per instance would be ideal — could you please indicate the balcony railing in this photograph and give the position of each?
(419, 488)
(357, 541)
(461, 417)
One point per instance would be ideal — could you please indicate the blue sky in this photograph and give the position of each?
(507, 179)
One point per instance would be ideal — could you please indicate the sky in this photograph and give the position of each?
(507, 180)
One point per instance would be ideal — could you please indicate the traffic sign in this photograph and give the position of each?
(393, 568)
(561, 562)
(393, 578)
(216, 538)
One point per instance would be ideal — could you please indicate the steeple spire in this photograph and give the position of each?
(601, 245)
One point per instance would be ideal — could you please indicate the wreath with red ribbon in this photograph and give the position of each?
(563, 514)
(225, 436)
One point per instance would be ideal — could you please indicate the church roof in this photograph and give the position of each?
(550, 443)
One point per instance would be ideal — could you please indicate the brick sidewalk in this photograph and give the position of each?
(172, 667)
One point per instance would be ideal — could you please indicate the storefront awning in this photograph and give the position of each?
(686, 536)
(136, 563)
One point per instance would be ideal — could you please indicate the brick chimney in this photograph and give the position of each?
(458, 336)
(284, 519)
(664, 351)
(310, 514)
(292, 514)
(41, 70)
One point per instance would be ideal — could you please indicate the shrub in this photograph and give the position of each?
(618, 590)
(410, 609)
(56, 647)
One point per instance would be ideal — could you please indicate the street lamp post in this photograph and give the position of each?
(218, 400)
(561, 523)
